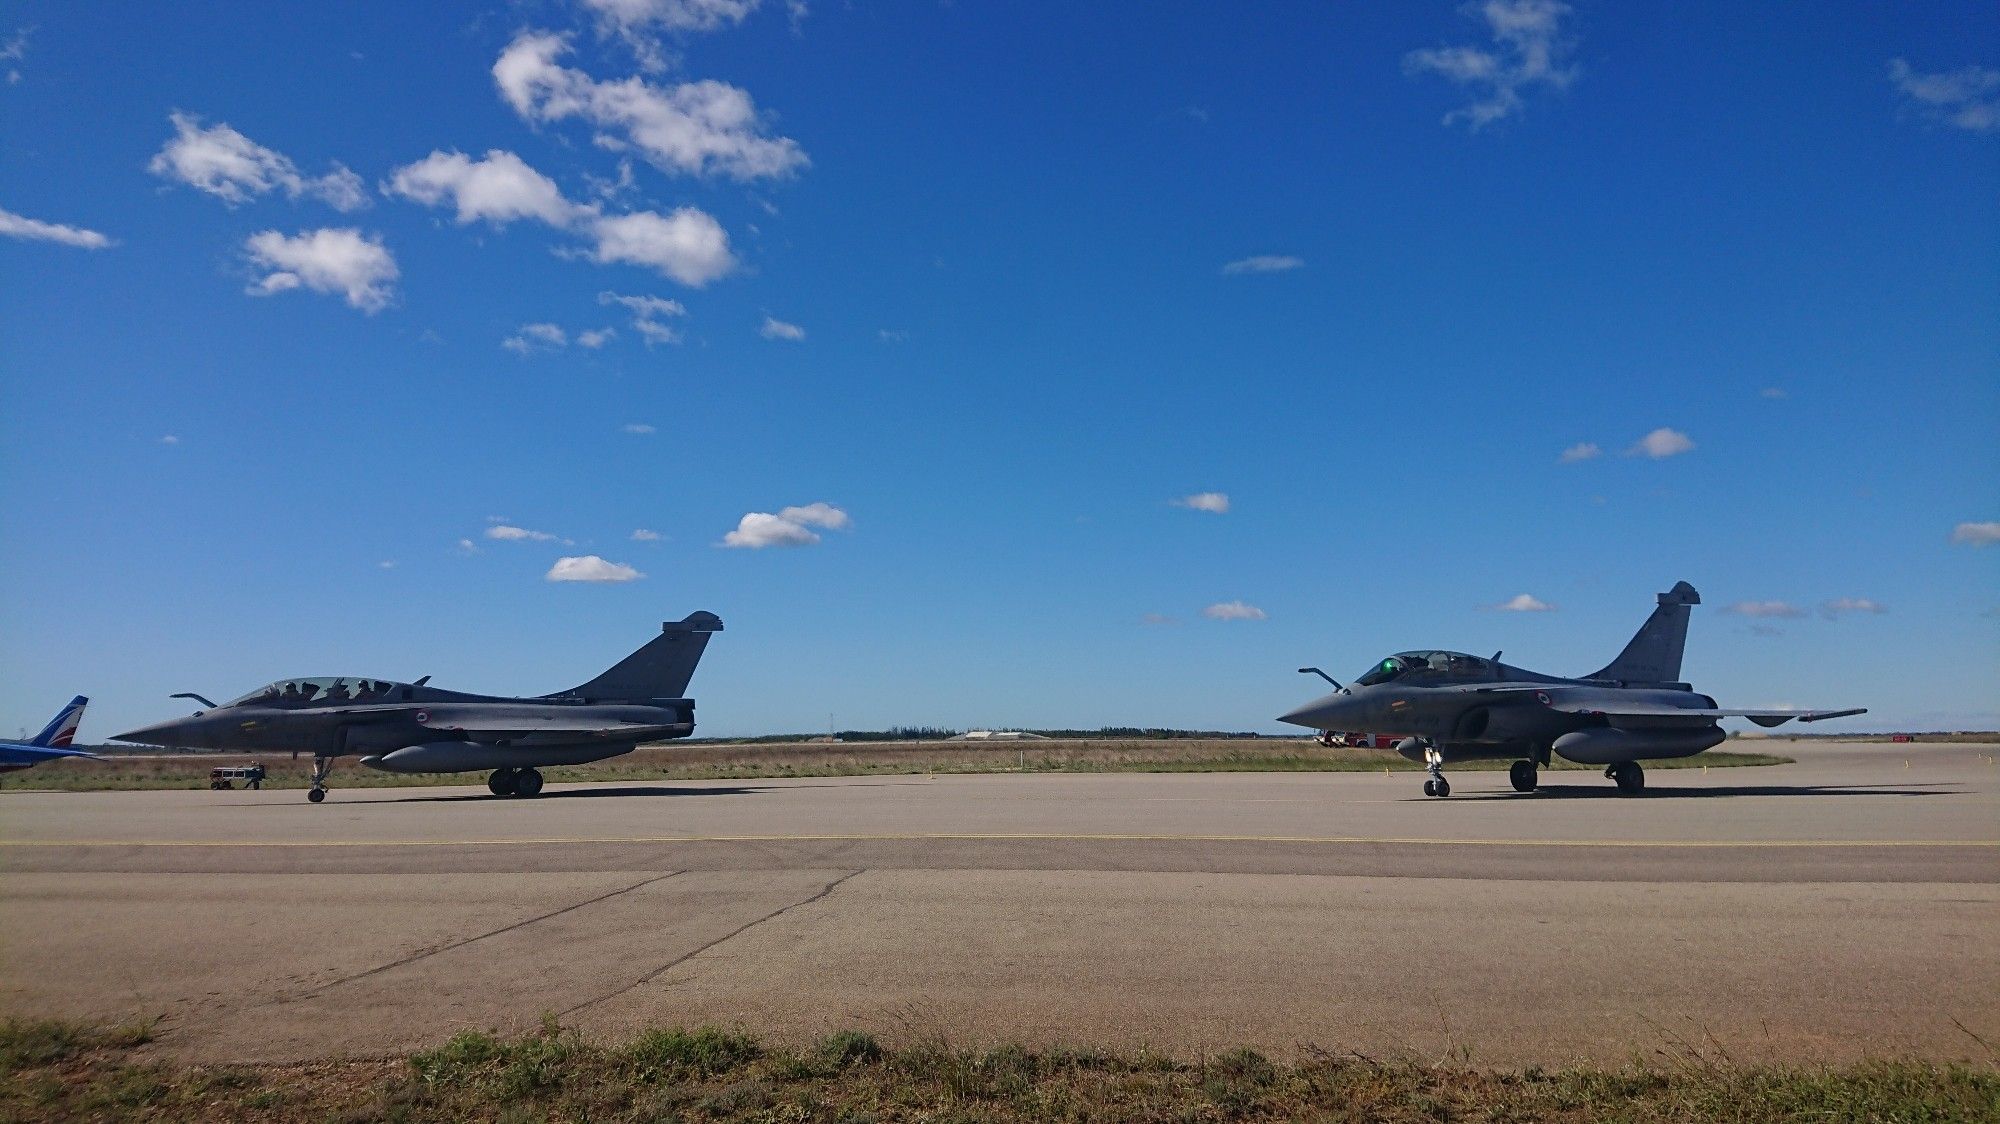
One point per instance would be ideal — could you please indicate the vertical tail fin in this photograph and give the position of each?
(61, 730)
(1654, 654)
(659, 670)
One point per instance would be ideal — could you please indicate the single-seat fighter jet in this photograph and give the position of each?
(1449, 706)
(414, 728)
(53, 742)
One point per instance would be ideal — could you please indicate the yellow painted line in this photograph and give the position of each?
(1027, 837)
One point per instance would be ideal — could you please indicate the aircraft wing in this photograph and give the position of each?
(21, 754)
(1616, 709)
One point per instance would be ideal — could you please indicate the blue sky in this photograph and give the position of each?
(1413, 308)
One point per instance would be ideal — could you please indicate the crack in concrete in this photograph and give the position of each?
(441, 949)
(656, 973)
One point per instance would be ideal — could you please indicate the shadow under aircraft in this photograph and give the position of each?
(1450, 706)
(417, 728)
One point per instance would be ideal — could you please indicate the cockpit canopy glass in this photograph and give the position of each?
(1428, 666)
(320, 691)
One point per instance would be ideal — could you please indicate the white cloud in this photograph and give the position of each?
(775, 329)
(505, 532)
(1843, 605)
(760, 529)
(1215, 503)
(594, 338)
(1528, 50)
(1157, 618)
(327, 260)
(636, 428)
(647, 312)
(818, 515)
(498, 189)
(1264, 263)
(16, 50)
(468, 546)
(1976, 534)
(1660, 444)
(35, 230)
(640, 22)
(1525, 603)
(170, 439)
(1967, 98)
(1765, 609)
(1234, 611)
(695, 128)
(387, 564)
(643, 535)
(1774, 393)
(688, 245)
(591, 568)
(534, 337)
(236, 169)
(1581, 451)
(888, 336)
(790, 527)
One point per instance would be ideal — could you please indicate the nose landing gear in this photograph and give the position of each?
(321, 767)
(1434, 765)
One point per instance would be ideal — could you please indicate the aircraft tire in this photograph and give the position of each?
(1430, 788)
(501, 782)
(1522, 774)
(1631, 777)
(527, 782)
(316, 794)
(1443, 787)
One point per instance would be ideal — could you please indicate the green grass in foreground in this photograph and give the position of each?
(53, 1071)
(723, 762)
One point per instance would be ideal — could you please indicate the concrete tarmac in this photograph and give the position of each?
(1839, 908)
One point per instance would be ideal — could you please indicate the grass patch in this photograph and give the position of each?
(704, 761)
(71, 1071)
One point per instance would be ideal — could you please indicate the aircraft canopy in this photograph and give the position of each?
(1449, 665)
(321, 690)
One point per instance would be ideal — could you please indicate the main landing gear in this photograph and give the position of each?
(1436, 785)
(321, 767)
(514, 782)
(1630, 777)
(1523, 775)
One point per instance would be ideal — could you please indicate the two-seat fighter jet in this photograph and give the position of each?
(1449, 706)
(414, 728)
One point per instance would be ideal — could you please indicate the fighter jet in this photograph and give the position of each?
(51, 743)
(415, 728)
(1449, 706)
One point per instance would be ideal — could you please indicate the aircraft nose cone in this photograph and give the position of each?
(156, 734)
(1319, 714)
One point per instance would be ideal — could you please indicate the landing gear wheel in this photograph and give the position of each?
(321, 767)
(1522, 774)
(315, 794)
(501, 783)
(527, 782)
(1630, 777)
(1434, 765)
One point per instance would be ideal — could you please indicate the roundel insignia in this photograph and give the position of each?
(1540, 697)
(423, 716)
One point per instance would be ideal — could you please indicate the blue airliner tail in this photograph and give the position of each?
(53, 742)
(61, 730)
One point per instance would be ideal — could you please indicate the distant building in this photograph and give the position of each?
(998, 736)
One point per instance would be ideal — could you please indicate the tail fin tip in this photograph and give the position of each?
(1653, 655)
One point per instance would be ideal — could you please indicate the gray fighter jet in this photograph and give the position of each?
(414, 728)
(1449, 706)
